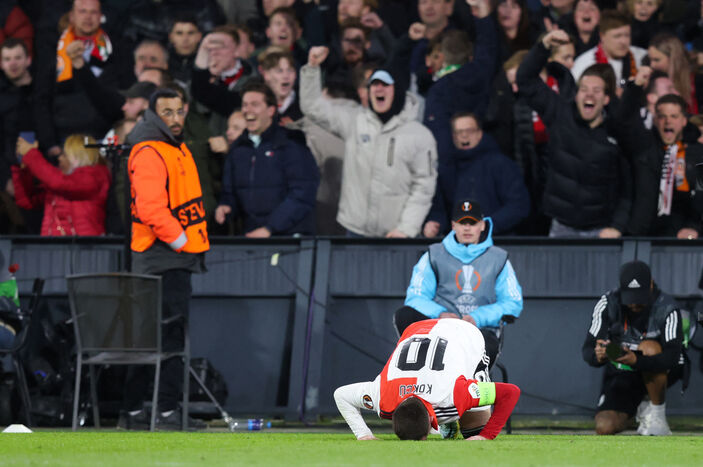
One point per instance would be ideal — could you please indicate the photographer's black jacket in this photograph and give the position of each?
(661, 322)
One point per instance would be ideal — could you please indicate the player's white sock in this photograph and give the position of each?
(658, 410)
(655, 422)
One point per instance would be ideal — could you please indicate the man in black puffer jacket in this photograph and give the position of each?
(588, 189)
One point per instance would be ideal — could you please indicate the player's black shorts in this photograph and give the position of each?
(623, 391)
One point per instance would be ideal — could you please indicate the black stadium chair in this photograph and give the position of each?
(24, 315)
(504, 321)
(117, 319)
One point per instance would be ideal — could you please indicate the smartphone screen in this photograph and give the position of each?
(28, 136)
(614, 350)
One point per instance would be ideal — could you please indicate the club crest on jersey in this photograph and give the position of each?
(407, 389)
(474, 391)
(367, 401)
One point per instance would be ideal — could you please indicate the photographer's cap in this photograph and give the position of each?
(143, 89)
(382, 76)
(635, 280)
(467, 210)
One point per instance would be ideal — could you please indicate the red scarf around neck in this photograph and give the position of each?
(601, 57)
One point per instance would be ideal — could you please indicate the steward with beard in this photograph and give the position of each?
(390, 158)
(169, 238)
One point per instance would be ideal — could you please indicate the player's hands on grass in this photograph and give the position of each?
(628, 358)
(368, 438)
(601, 344)
(476, 438)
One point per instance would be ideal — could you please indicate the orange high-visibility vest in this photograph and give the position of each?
(185, 198)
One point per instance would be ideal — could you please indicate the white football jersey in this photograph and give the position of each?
(432, 360)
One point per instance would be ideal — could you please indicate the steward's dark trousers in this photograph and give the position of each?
(176, 292)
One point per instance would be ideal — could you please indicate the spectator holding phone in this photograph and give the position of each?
(636, 333)
(73, 195)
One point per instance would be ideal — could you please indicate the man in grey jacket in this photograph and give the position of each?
(390, 158)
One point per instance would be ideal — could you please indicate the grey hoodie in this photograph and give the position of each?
(390, 170)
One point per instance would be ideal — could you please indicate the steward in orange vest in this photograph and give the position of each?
(168, 217)
(169, 238)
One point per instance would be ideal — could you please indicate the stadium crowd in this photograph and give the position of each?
(560, 117)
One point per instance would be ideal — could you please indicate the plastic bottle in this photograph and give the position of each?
(250, 424)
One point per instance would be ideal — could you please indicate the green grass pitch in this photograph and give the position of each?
(266, 448)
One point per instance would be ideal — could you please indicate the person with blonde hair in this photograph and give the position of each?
(73, 194)
(668, 54)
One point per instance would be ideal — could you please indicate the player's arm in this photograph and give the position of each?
(350, 401)
(502, 396)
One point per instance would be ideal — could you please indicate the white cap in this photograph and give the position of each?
(382, 76)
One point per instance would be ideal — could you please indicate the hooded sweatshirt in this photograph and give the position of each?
(389, 173)
(423, 284)
(487, 176)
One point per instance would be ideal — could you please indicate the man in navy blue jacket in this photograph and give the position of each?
(465, 85)
(478, 170)
(270, 177)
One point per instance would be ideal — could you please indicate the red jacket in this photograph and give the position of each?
(74, 204)
(18, 25)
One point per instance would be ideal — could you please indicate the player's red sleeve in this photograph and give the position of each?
(507, 396)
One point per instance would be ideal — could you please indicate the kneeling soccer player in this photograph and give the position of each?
(428, 381)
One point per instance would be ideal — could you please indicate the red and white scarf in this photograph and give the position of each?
(673, 177)
(631, 71)
(98, 46)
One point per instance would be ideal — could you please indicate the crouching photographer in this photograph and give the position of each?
(636, 334)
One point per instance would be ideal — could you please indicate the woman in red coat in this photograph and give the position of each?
(73, 195)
